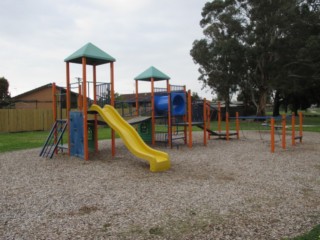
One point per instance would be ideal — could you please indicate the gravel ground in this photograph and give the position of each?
(227, 190)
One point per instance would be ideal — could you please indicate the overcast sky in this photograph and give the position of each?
(36, 36)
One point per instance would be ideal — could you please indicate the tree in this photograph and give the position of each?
(4, 92)
(220, 54)
(261, 49)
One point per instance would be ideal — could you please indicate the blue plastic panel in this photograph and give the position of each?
(76, 134)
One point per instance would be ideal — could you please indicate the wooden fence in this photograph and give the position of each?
(20, 120)
(26, 120)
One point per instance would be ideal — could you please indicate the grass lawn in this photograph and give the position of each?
(314, 234)
(27, 140)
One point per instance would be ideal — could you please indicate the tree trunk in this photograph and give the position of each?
(262, 102)
(276, 104)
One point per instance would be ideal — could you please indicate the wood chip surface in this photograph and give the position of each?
(227, 190)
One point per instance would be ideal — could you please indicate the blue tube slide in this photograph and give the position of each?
(178, 104)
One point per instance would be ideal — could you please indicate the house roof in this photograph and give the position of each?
(152, 72)
(93, 54)
(39, 89)
(143, 97)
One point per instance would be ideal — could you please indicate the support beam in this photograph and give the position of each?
(85, 109)
(113, 134)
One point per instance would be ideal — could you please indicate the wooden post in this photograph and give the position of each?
(137, 99)
(227, 126)
(293, 125)
(283, 125)
(169, 115)
(300, 126)
(68, 104)
(272, 135)
(113, 134)
(204, 122)
(95, 128)
(189, 119)
(237, 125)
(85, 109)
(153, 120)
(208, 117)
(185, 118)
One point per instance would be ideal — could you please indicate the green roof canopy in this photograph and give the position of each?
(93, 54)
(152, 72)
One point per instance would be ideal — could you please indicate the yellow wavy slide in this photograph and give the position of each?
(159, 161)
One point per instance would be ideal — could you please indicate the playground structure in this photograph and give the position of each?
(170, 109)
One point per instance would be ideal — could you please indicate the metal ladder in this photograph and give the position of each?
(54, 138)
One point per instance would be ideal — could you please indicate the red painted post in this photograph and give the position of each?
(169, 115)
(137, 99)
(153, 130)
(85, 109)
(68, 104)
(113, 134)
(95, 137)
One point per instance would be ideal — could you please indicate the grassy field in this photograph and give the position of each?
(27, 140)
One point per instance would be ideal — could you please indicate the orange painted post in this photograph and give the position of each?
(293, 125)
(300, 126)
(219, 117)
(227, 126)
(68, 103)
(189, 119)
(54, 101)
(237, 125)
(152, 113)
(185, 118)
(113, 134)
(272, 135)
(85, 109)
(204, 122)
(96, 147)
(169, 116)
(208, 117)
(283, 125)
(137, 99)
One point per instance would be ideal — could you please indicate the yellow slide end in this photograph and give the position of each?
(158, 160)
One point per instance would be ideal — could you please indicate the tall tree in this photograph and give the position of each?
(4, 92)
(220, 54)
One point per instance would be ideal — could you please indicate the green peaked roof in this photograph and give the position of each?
(154, 73)
(94, 55)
